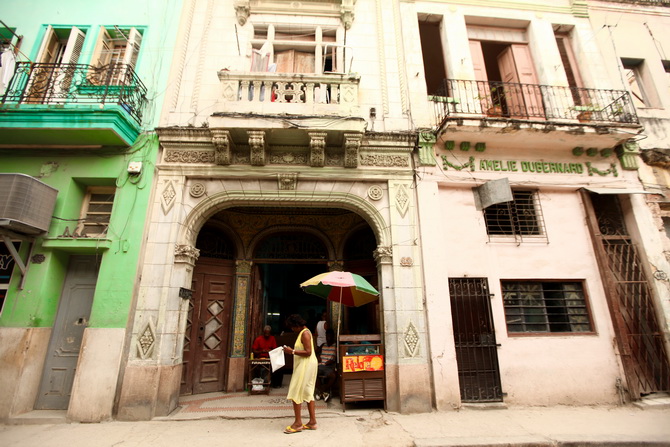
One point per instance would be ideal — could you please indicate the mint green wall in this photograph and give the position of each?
(159, 20)
(72, 170)
(36, 304)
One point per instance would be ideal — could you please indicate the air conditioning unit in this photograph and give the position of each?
(26, 204)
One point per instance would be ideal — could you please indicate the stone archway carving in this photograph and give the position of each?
(226, 199)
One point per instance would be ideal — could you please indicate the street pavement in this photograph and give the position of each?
(646, 424)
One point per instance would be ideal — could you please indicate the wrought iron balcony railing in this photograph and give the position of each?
(532, 102)
(59, 84)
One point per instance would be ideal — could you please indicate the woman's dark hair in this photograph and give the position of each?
(295, 320)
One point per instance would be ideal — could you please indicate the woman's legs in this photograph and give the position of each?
(297, 423)
(311, 406)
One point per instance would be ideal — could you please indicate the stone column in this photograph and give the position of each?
(238, 353)
(405, 329)
(153, 375)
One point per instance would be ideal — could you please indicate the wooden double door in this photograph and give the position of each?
(207, 337)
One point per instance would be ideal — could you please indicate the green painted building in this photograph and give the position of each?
(81, 90)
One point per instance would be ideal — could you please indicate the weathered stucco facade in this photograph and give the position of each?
(480, 165)
(364, 130)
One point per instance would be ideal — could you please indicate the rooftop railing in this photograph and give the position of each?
(462, 98)
(60, 84)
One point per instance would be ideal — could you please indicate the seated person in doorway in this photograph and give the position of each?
(264, 344)
(327, 372)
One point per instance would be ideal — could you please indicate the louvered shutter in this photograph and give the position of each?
(132, 48)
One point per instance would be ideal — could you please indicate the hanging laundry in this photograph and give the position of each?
(7, 67)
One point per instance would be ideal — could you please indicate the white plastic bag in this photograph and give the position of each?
(277, 358)
(257, 384)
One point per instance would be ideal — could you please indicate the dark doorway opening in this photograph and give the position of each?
(433, 56)
(283, 295)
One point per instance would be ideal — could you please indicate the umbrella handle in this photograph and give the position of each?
(339, 314)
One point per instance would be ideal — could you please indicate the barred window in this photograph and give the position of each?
(545, 306)
(520, 217)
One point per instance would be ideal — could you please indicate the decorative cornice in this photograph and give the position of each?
(258, 147)
(223, 145)
(317, 148)
(352, 144)
(215, 146)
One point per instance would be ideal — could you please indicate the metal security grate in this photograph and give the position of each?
(474, 336)
(639, 333)
(540, 306)
(644, 336)
(521, 218)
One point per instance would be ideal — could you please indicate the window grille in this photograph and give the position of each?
(545, 306)
(291, 246)
(521, 218)
(212, 243)
(96, 212)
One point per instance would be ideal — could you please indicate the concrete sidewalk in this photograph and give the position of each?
(633, 425)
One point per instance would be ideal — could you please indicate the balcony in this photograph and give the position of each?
(279, 95)
(536, 117)
(531, 102)
(72, 105)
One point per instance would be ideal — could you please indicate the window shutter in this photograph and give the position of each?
(478, 60)
(132, 48)
(74, 45)
(483, 92)
(48, 47)
(103, 49)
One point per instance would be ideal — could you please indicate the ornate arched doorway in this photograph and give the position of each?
(278, 247)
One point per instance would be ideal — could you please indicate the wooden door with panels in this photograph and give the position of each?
(74, 312)
(514, 89)
(206, 341)
(294, 61)
(522, 92)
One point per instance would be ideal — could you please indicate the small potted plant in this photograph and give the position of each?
(585, 112)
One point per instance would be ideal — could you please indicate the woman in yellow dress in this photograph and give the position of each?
(303, 380)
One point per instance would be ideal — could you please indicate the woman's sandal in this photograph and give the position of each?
(309, 427)
(290, 430)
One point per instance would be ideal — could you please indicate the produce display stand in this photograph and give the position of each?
(362, 368)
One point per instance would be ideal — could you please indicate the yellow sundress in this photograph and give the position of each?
(303, 380)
